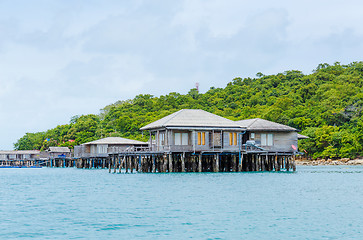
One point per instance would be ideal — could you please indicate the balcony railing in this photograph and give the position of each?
(115, 150)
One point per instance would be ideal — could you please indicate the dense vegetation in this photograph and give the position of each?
(326, 105)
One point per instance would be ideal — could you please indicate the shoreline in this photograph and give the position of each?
(322, 162)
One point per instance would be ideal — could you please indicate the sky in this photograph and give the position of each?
(63, 58)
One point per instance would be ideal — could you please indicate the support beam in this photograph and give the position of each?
(170, 162)
(183, 162)
(153, 159)
(216, 162)
(200, 162)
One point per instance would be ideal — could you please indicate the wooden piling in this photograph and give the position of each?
(170, 163)
(114, 164)
(293, 164)
(200, 163)
(183, 162)
(216, 163)
(127, 164)
(234, 163)
(120, 164)
(153, 159)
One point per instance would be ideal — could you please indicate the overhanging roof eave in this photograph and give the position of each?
(236, 128)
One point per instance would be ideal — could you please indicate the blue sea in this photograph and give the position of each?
(324, 202)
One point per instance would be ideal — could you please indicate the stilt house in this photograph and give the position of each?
(194, 130)
(59, 152)
(20, 155)
(102, 147)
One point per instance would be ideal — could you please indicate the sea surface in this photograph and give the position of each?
(324, 202)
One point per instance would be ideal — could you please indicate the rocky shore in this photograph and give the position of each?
(343, 161)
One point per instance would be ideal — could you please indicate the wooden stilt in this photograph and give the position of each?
(127, 164)
(183, 162)
(216, 163)
(254, 162)
(234, 163)
(153, 159)
(200, 162)
(131, 164)
(120, 164)
(293, 164)
(170, 162)
(165, 163)
(139, 164)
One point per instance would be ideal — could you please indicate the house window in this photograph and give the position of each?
(201, 138)
(181, 138)
(161, 139)
(101, 148)
(232, 139)
(252, 136)
(267, 139)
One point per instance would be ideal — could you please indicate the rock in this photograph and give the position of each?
(345, 160)
(355, 162)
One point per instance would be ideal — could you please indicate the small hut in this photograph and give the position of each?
(59, 152)
(102, 147)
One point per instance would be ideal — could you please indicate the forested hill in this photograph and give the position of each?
(326, 105)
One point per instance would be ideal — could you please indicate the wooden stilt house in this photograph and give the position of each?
(20, 157)
(194, 130)
(59, 152)
(101, 147)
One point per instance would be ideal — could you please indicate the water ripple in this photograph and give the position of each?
(322, 202)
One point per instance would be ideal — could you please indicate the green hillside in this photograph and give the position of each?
(326, 105)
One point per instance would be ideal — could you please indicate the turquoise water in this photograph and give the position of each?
(313, 203)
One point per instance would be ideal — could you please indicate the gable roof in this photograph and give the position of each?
(59, 149)
(258, 124)
(192, 118)
(115, 140)
(20, 152)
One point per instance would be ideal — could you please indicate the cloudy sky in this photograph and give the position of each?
(63, 58)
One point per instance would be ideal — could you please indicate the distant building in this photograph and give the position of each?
(59, 152)
(20, 155)
(101, 147)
